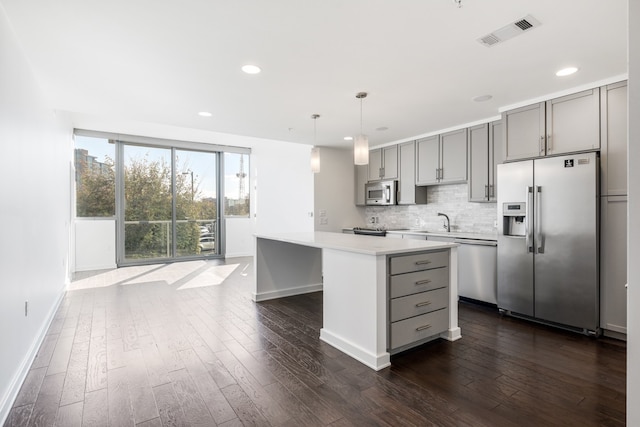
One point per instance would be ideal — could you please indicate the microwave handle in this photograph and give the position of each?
(387, 191)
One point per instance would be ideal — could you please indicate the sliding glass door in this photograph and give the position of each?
(147, 203)
(196, 203)
(169, 204)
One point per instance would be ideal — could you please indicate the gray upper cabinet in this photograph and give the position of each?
(614, 140)
(408, 192)
(428, 160)
(479, 163)
(485, 153)
(361, 176)
(453, 152)
(562, 125)
(383, 163)
(573, 122)
(524, 132)
(496, 157)
(442, 159)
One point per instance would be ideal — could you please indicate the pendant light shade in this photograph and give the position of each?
(315, 151)
(361, 150)
(315, 159)
(361, 142)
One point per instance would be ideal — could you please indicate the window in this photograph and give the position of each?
(236, 179)
(95, 177)
(166, 196)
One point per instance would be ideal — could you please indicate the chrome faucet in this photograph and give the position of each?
(447, 226)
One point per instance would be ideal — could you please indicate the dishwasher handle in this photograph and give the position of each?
(476, 242)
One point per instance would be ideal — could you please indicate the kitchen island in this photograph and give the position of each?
(356, 274)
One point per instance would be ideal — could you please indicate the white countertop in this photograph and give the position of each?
(370, 245)
(453, 234)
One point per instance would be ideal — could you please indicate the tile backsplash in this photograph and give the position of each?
(448, 199)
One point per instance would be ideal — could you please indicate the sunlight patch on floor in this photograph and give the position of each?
(214, 275)
(169, 273)
(187, 275)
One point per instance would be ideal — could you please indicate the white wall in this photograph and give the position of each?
(633, 273)
(35, 173)
(334, 191)
(95, 244)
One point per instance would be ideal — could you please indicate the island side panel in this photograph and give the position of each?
(355, 306)
(453, 333)
(284, 269)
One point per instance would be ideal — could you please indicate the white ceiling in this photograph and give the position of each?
(163, 61)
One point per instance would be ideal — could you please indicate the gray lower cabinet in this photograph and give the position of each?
(418, 298)
(613, 264)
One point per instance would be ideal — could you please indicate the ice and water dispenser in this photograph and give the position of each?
(514, 217)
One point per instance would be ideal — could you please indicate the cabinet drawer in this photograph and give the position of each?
(420, 327)
(417, 304)
(419, 281)
(424, 261)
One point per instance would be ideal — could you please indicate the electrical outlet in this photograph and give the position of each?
(323, 213)
(495, 224)
(324, 221)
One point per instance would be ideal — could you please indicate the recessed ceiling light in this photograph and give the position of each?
(348, 138)
(251, 69)
(482, 98)
(205, 114)
(566, 71)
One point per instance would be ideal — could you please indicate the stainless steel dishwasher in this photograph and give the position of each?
(477, 277)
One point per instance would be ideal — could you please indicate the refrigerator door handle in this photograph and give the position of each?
(539, 242)
(528, 230)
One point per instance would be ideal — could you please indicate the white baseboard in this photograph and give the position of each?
(96, 267)
(453, 334)
(264, 296)
(21, 373)
(237, 255)
(374, 361)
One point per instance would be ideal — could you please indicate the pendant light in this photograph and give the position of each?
(315, 151)
(361, 142)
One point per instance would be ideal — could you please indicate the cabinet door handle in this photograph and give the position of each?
(486, 191)
(422, 328)
(541, 146)
(423, 282)
(549, 144)
(381, 172)
(492, 190)
(422, 304)
(423, 262)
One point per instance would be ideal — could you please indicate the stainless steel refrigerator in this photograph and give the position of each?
(548, 240)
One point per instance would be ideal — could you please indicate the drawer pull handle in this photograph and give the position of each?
(422, 304)
(422, 328)
(423, 282)
(426, 261)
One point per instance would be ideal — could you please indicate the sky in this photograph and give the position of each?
(202, 164)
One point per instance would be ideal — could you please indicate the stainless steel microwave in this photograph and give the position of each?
(381, 193)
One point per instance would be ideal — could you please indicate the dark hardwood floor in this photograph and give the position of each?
(165, 346)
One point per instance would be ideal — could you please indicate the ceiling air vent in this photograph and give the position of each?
(510, 31)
